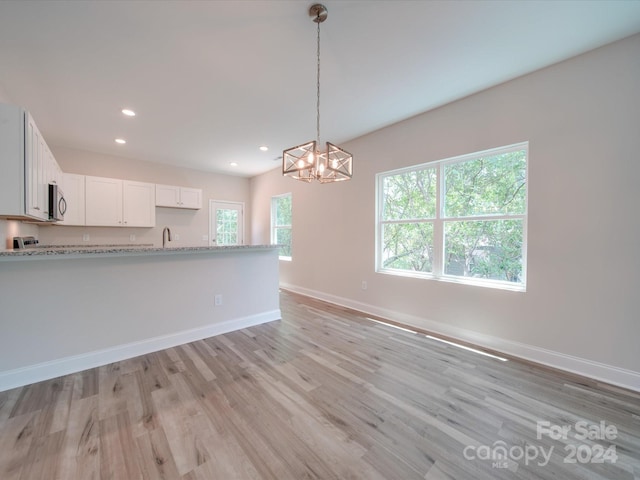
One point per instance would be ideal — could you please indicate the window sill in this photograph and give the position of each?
(476, 282)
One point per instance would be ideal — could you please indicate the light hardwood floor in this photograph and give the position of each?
(322, 394)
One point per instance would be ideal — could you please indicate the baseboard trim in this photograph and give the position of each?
(76, 363)
(620, 377)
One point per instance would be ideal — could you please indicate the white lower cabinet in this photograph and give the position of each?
(111, 202)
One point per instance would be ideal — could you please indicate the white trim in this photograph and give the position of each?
(76, 363)
(588, 368)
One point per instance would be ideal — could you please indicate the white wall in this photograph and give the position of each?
(581, 308)
(190, 225)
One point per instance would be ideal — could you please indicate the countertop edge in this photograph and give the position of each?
(111, 251)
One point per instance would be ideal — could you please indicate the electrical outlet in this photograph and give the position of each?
(132, 237)
(205, 238)
(176, 236)
(217, 300)
(364, 285)
(86, 237)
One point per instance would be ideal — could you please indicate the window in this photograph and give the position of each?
(225, 222)
(461, 219)
(281, 224)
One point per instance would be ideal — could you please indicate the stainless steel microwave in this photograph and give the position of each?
(57, 203)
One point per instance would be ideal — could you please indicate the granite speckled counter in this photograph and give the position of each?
(76, 251)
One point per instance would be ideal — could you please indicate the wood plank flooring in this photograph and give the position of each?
(322, 394)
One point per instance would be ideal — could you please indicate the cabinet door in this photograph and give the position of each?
(73, 188)
(103, 201)
(190, 198)
(167, 196)
(54, 172)
(36, 195)
(139, 204)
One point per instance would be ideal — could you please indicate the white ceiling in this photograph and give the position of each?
(213, 80)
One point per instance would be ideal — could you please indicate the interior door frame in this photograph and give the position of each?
(212, 225)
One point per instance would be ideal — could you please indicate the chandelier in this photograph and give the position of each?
(307, 162)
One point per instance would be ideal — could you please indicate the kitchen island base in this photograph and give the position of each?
(63, 313)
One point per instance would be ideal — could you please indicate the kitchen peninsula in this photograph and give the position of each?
(67, 309)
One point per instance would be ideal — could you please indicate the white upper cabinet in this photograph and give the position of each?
(36, 160)
(111, 202)
(103, 201)
(28, 166)
(190, 198)
(139, 204)
(54, 172)
(73, 188)
(178, 197)
(167, 196)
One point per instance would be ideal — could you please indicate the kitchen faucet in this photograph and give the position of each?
(166, 230)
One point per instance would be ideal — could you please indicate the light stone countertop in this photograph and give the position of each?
(88, 251)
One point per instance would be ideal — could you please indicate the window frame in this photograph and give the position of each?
(275, 227)
(440, 220)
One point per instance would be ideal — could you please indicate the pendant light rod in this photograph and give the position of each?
(319, 13)
(318, 21)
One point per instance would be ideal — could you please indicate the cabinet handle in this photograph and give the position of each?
(36, 208)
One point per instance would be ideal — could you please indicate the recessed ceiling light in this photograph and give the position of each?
(128, 113)
(233, 164)
(264, 148)
(121, 141)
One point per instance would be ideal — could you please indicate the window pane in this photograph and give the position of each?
(484, 249)
(485, 186)
(410, 195)
(283, 210)
(226, 226)
(408, 246)
(283, 237)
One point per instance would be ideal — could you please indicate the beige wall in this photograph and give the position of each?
(190, 225)
(4, 97)
(581, 307)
